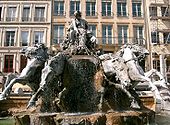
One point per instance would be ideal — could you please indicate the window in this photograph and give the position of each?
(8, 63)
(92, 28)
(74, 5)
(153, 11)
(166, 38)
(136, 9)
(58, 34)
(138, 35)
(106, 7)
(39, 14)
(9, 40)
(168, 70)
(121, 8)
(0, 13)
(155, 37)
(165, 11)
(58, 8)
(107, 34)
(25, 14)
(24, 38)
(122, 34)
(38, 37)
(23, 62)
(90, 8)
(156, 62)
(11, 14)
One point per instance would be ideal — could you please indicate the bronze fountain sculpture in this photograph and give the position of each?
(78, 79)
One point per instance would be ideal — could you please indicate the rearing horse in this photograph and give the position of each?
(135, 71)
(53, 69)
(125, 67)
(31, 74)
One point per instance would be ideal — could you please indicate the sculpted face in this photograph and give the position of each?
(77, 14)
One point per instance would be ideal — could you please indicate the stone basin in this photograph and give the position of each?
(86, 118)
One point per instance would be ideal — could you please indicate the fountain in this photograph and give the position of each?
(77, 86)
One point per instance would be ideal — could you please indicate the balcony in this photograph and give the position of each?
(137, 15)
(60, 13)
(91, 14)
(9, 44)
(23, 43)
(107, 14)
(39, 19)
(108, 43)
(122, 14)
(11, 19)
(58, 40)
(26, 19)
(8, 70)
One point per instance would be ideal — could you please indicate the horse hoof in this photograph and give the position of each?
(2, 98)
(100, 107)
(31, 104)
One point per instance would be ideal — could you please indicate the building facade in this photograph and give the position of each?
(113, 22)
(158, 24)
(22, 23)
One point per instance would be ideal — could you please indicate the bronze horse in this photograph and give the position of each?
(31, 74)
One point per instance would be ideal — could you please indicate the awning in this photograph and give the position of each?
(160, 50)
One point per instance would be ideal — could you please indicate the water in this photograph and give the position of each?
(160, 119)
(163, 118)
(7, 121)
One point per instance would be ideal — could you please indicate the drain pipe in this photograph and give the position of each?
(147, 33)
(51, 25)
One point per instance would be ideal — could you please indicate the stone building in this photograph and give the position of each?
(158, 27)
(113, 22)
(22, 23)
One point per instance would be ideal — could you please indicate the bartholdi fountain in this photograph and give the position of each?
(81, 86)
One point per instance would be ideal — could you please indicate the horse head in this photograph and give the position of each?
(139, 51)
(134, 51)
(37, 51)
(29, 52)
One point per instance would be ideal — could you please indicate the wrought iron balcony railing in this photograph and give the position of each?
(107, 14)
(110, 40)
(122, 14)
(59, 13)
(91, 13)
(11, 19)
(40, 19)
(24, 19)
(7, 70)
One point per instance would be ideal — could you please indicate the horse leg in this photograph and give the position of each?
(34, 98)
(8, 89)
(154, 89)
(162, 81)
(46, 76)
(134, 103)
(8, 79)
(60, 98)
(101, 101)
